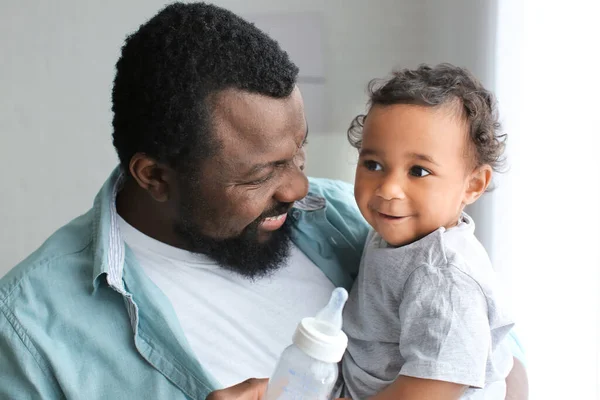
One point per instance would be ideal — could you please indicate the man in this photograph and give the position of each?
(204, 249)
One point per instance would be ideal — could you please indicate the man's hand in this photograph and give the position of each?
(251, 389)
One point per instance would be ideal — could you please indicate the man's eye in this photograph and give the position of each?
(418, 172)
(260, 180)
(372, 165)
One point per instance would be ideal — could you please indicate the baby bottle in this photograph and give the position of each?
(308, 368)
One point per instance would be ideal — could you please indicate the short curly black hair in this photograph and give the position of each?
(169, 69)
(436, 86)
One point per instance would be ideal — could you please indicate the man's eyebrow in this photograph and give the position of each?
(259, 167)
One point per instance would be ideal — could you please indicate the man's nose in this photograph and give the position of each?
(294, 185)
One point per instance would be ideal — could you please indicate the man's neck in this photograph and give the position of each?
(136, 206)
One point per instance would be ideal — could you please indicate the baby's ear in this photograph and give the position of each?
(477, 183)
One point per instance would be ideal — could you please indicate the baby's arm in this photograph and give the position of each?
(409, 388)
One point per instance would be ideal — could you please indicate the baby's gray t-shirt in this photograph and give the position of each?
(428, 310)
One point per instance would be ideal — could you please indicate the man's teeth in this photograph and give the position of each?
(277, 218)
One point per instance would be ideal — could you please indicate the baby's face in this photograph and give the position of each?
(414, 171)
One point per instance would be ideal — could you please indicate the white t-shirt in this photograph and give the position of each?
(236, 327)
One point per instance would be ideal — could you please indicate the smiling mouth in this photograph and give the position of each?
(275, 218)
(273, 223)
(393, 217)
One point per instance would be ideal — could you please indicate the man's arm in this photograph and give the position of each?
(517, 385)
(22, 372)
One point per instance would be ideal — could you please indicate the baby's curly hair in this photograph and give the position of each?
(441, 85)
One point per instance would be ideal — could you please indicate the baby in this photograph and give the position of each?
(423, 318)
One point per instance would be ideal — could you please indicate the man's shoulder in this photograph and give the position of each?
(330, 187)
(339, 196)
(55, 259)
(341, 205)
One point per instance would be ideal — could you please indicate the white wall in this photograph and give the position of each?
(57, 68)
(555, 199)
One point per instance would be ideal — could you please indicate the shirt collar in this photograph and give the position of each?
(109, 248)
(311, 202)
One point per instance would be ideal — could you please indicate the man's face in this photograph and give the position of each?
(235, 209)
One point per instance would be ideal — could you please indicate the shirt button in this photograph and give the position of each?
(296, 214)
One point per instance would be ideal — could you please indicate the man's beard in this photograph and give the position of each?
(243, 254)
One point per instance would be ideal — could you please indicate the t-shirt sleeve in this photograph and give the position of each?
(444, 327)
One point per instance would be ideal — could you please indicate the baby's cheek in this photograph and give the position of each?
(363, 206)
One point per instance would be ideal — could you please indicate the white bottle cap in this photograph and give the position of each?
(321, 337)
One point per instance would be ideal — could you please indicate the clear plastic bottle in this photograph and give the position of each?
(308, 369)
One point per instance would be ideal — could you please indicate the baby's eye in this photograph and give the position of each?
(372, 165)
(418, 171)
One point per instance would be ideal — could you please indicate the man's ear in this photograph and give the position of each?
(477, 184)
(151, 176)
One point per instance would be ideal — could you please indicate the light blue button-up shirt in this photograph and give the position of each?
(80, 320)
